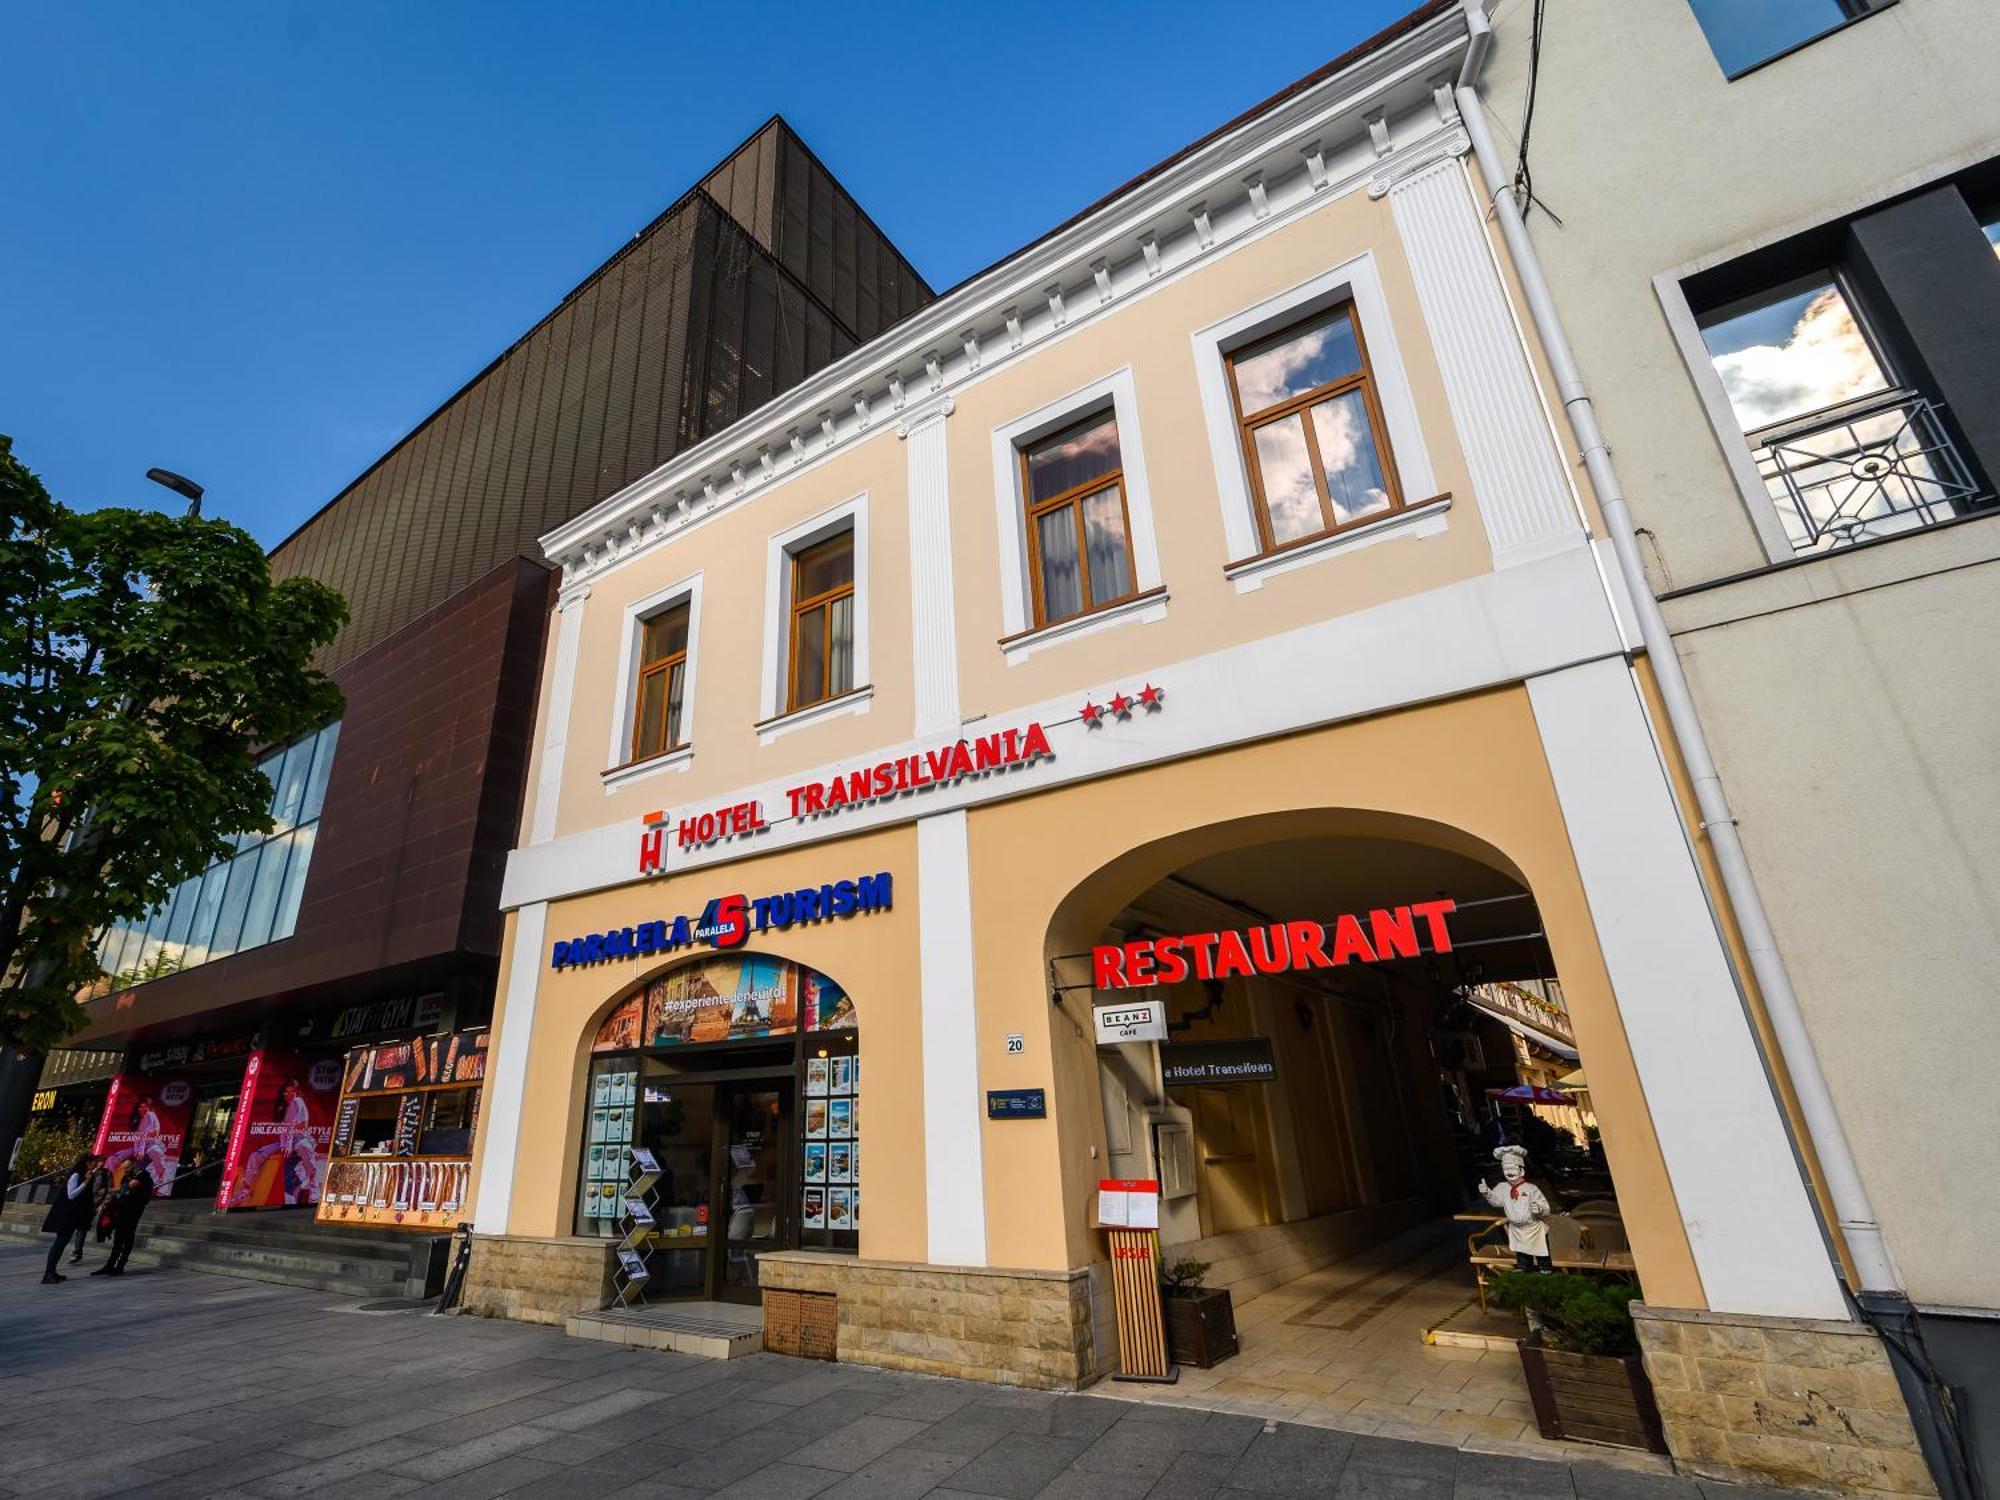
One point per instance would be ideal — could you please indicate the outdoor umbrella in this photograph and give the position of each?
(1531, 1093)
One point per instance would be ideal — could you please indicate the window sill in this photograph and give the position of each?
(1149, 607)
(638, 770)
(854, 701)
(1425, 518)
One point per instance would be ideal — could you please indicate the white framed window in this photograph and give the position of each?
(1347, 298)
(1078, 549)
(652, 713)
(816, 620)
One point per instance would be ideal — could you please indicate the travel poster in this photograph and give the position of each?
(826, 1005)
(145, 1120)
(839, 1161)
(840, 1119)
(816, 1074)
(815, 1215)
(282, 1133)
(816, 1119)
(839, 1208)
(815, 1161)
(721, 999)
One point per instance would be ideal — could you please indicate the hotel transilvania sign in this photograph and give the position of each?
(967, 758)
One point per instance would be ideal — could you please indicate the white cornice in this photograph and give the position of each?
(1302, 150)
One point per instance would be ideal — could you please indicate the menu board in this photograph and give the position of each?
(426, 1062)
(831, 1202)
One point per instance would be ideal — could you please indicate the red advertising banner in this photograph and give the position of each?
(279, 1141)
(145, 1120)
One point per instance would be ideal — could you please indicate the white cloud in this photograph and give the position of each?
(1824, 361)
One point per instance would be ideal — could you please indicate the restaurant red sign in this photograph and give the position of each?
(1390, 932)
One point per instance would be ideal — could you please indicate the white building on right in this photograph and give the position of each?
(1772, 230)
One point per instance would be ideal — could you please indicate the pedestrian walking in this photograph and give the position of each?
(69, 1214)
(127, 1205)
(100, 1193)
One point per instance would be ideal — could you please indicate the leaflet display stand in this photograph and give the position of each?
(642, 1227)
(1128, 1211)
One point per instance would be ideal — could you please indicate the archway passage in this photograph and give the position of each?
(1321, 1124)
(722, 1121)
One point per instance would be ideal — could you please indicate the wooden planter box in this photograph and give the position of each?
(1201, 1330)
(1592, 1398)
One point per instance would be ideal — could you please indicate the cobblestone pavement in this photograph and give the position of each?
(170, 1383)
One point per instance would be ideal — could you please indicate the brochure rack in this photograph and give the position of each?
(640, 1214)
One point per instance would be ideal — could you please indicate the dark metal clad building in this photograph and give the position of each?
(764, 273)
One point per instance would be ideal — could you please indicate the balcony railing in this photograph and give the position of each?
(1869, 468)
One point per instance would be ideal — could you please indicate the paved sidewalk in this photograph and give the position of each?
(170, 1383)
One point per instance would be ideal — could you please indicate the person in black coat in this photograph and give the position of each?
(100, 1191)
(127, 1205)
(70, 1212)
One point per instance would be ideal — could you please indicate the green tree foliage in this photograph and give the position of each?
(144, 659)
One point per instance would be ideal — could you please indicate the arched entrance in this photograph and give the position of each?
(1359, 1008)
(722, 1104)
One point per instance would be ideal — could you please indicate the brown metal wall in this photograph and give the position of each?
(403, 892)
(765, 273)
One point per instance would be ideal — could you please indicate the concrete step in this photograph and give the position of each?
(281, 1246)
(710, 1330)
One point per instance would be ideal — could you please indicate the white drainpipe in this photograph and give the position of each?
(1858, 1227)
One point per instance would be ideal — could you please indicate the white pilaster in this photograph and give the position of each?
(933, 633)
(1742, 1197)
(500, 1127)
(1520, 486)
(555, 733)
(954, 1170)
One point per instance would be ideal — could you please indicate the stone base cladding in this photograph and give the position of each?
(1033, 1328)
(1248, 1262)
(537, 1280)
(1803, 1403)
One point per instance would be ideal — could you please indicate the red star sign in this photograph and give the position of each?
(1090, 713)
(1150, 696)
(1121, 705)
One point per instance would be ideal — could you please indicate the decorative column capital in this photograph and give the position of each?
(570, 595)
(926, 415)
(1403, 166)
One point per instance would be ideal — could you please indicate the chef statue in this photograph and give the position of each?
(1525, 1206)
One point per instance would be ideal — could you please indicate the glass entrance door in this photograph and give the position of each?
(755, 1130)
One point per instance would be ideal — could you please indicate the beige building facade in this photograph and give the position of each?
(1207, 586)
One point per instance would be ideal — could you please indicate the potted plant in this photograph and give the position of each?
(1581, 1359)
(1201, 1324)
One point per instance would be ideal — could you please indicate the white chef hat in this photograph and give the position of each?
(1518, 1155)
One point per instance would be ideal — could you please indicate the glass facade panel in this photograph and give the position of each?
(246, 900)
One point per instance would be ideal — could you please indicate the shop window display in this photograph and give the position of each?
(734, 1081)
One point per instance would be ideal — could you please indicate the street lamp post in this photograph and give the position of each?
(181, 485)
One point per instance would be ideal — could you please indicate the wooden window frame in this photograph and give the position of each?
(803, 607)
(1362, 380)
(660, 665)
(1075, 495)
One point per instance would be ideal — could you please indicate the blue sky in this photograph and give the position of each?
(257, 243)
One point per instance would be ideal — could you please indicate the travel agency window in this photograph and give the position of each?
(1746, 34)
(1312, 433)
(246, 900)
